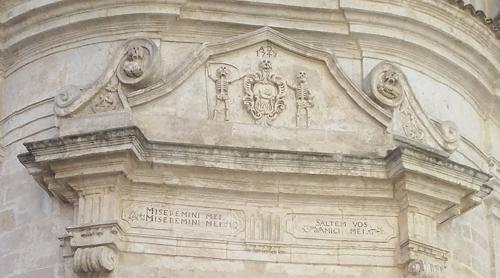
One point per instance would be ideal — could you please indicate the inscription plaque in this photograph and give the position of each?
(186, 218)
(338, 227)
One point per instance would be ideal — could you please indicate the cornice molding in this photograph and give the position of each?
(478, 14)
(43, 156)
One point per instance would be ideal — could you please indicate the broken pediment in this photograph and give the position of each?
(261, 89)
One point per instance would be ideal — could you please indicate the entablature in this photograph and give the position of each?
(120, 181)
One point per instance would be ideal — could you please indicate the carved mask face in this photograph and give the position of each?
(302, 77)
(266, 65)
(222, 72)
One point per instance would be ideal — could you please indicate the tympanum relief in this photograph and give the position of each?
(264, 93)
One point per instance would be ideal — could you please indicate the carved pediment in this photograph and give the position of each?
(262, 79)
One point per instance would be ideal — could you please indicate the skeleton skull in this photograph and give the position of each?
(302, 77)
(266, 65)
(222, 72)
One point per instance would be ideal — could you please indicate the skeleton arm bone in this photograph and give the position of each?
(293, 87)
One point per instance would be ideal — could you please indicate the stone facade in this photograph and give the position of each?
(260, 138)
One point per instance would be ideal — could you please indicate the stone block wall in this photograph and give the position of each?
(31, 220)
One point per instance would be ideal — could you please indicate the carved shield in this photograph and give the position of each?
(264, 96)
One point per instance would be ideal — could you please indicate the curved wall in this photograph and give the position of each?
(451, 59)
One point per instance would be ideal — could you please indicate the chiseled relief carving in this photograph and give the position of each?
(100, 259)
(185, 219)
(411, 126)
(303, 98)
(264, 226)
(341, 227)
(140, 65)
(389, 87)
(422, 269)
(264, 232)
(222, 81)
(108, 100)
(449, 131)
(266, 52)
(135, 66)
(264, 94)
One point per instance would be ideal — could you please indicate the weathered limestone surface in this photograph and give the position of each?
(262, 138)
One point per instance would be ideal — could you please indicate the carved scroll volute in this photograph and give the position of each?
(97, 260)
(449, 131)
(423, 269)
(389, 87)
(136, 65)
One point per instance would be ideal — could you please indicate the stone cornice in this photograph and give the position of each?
(231, 158)
(478, 14)
(419, 159)
(49, 155)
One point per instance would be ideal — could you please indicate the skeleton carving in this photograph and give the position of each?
(222, 83)
(304, 99)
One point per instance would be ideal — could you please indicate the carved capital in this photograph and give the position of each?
(94, 260)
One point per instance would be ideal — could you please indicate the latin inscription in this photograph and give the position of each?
(174, 217)
(333, 227)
